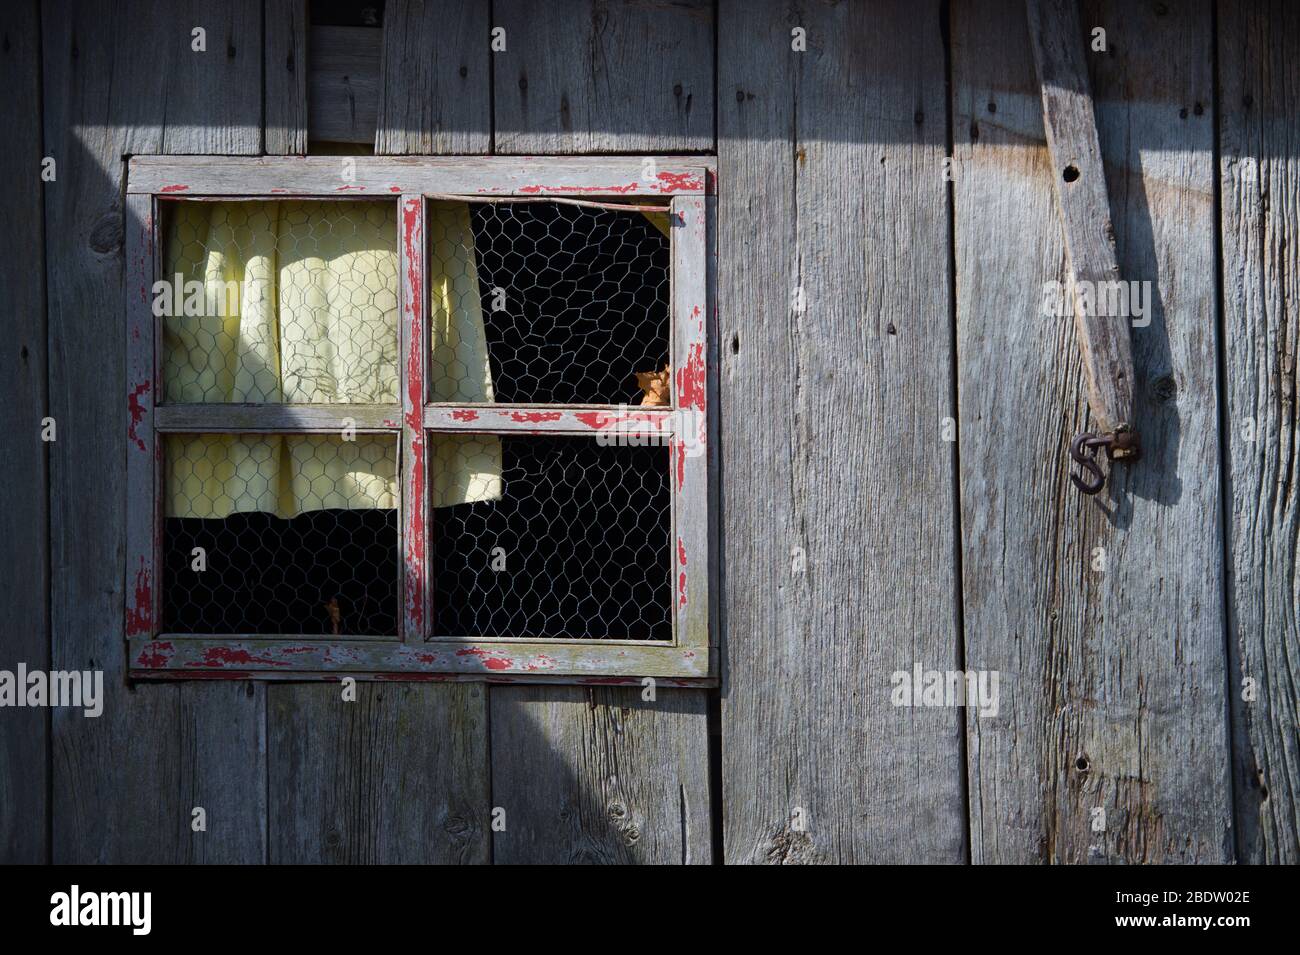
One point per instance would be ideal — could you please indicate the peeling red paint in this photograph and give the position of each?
(679, 182)
(414, 532)
(679, 447)
(350, 189)
(690, 380)
(155, 655)
(394, 188)
(137, 413)
(464, 414)
(176, 188)
(541, 662)
(592, 190)
(225, 656)
(139, 614)
(599, 420)
(490, 661)
(533, 417)
(681, 589)
(681, 552)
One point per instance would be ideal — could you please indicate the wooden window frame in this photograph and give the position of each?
(687, 182)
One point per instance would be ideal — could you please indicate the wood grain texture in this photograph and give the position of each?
(600, 76)
(343, 83)
(401, 775)
(434, 87)
(1079, 181)
(398, 776)
(24, 541)
(286, 67)
(529, 177)
(125, 783)
(838, 499)
(1259, 130)
(1112, 681)
(598, 775)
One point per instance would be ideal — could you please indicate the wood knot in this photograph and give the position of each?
(106, 234)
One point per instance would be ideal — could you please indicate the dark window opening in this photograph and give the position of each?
(584, 301)
(583, 537)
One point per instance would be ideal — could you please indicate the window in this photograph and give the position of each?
(444, 418)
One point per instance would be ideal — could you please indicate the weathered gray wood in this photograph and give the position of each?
(1079, 180)
(403, 774)
(185, 176)
(343, 83)
(317, 418)
(24, 543)
(594, 76)
(125, 783)
(837, 513)
(486, 657)
(1110, 744)
(434, 91)
(1259, 135)
(599, 775)
(287, 68)
(689, 451)
(602, 77)
(555, 419)
(398, 775)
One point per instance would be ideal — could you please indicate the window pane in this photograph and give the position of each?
(298, 534)
(574, 543)
(541, 302)
(279, 301)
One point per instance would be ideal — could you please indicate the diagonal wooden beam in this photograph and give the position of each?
(1080, 184)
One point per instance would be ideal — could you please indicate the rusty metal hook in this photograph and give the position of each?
(1084, 451)
(1119, 444)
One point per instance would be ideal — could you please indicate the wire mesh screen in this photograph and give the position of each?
(576, 546)
(279, 301)
(280, 534)
(574, 301)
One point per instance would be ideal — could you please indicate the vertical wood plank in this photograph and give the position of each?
(1103, 615)
(577, 773)
(434, 90)
(402, 774)
(286, 67)
(1259, 125)
(125, 783)
(838, 525)
(593, 76)
(24, 541)
(600, 776)
(397, 776)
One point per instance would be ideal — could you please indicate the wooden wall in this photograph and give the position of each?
(894, 411)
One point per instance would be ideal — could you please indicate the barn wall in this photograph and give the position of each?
(885, 224)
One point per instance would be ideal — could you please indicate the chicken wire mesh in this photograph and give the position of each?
(576, 546)
(279, 301)
(280, 534)
(567, 302)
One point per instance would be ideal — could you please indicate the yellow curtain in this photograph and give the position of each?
(297, 302)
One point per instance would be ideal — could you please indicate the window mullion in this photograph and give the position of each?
(415, 515)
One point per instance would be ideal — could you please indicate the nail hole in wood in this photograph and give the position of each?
(1071, 173)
